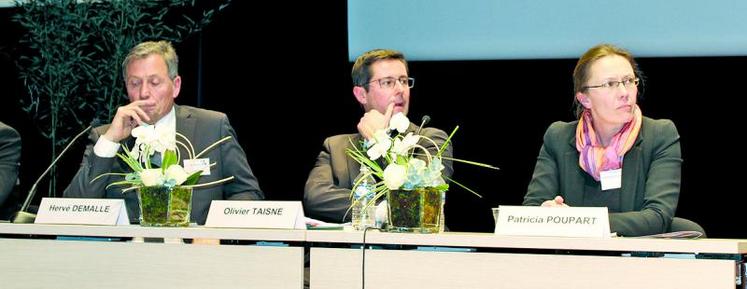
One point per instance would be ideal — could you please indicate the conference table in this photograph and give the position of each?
(44, 256)
(94, 258)
(484, 260)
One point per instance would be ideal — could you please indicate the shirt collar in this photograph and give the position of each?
(168, 121)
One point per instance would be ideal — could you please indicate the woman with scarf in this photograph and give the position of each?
(612, 156)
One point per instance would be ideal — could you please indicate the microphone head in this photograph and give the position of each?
(96, 122)
(425, 120)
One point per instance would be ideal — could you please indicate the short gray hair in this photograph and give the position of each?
(148, 48)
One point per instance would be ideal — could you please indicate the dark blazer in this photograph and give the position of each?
(327, 190)
(650, 176)
(202, 128)
(10, 155)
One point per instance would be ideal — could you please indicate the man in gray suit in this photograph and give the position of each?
(152, 81)
(382, 87)
(10, 155)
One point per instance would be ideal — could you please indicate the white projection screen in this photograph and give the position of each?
(539, 29)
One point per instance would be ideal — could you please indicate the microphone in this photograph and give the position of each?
(424, 120)
(25, 217)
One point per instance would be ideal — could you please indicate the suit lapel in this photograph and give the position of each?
(352, 166)
(185, 124)
(631, 167)
(575, 178)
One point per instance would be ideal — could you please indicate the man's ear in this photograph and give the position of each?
(177, 85)
(583, 99)
(360, 94)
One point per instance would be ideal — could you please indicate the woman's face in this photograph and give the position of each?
(611, 91)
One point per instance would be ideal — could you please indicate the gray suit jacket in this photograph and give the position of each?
(203, 128)
(327, 190)
(10, 155)
(650, 176)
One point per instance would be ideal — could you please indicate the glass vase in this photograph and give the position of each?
(417, 210)
(161, 206)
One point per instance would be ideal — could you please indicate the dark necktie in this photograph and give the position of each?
(156, 159)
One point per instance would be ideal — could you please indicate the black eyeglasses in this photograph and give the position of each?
(389, 82)
(628, 83)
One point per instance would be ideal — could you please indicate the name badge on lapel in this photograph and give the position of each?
(611, 179)
(193, 165)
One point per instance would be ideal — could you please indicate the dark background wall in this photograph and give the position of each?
(292, 69)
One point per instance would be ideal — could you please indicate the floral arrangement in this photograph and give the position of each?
(148, 141)
(400, 163)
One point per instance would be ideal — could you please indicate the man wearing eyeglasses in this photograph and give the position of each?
(381, 85)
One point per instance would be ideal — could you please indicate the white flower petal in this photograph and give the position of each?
(177, 173)
(394, 176)
(399, 147)
(144, 134)
(166, 138)
(399, 122)
(404, 145)
(151, 177)
(411, 139)
(378, 149)
(381, 136)
(135, 153)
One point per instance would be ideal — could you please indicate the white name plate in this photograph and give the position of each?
(82, 211)
(256, 214)
(553, 221)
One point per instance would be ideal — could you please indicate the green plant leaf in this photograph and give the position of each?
(107, 174)
(446, 143)
(192, 179)
(169, 159)
(123, 183)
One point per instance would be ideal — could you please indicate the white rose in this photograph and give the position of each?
(177, 173)
(394, 176)
(399, 122)
(151, 177)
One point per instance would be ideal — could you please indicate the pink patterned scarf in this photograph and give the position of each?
(595, 158)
